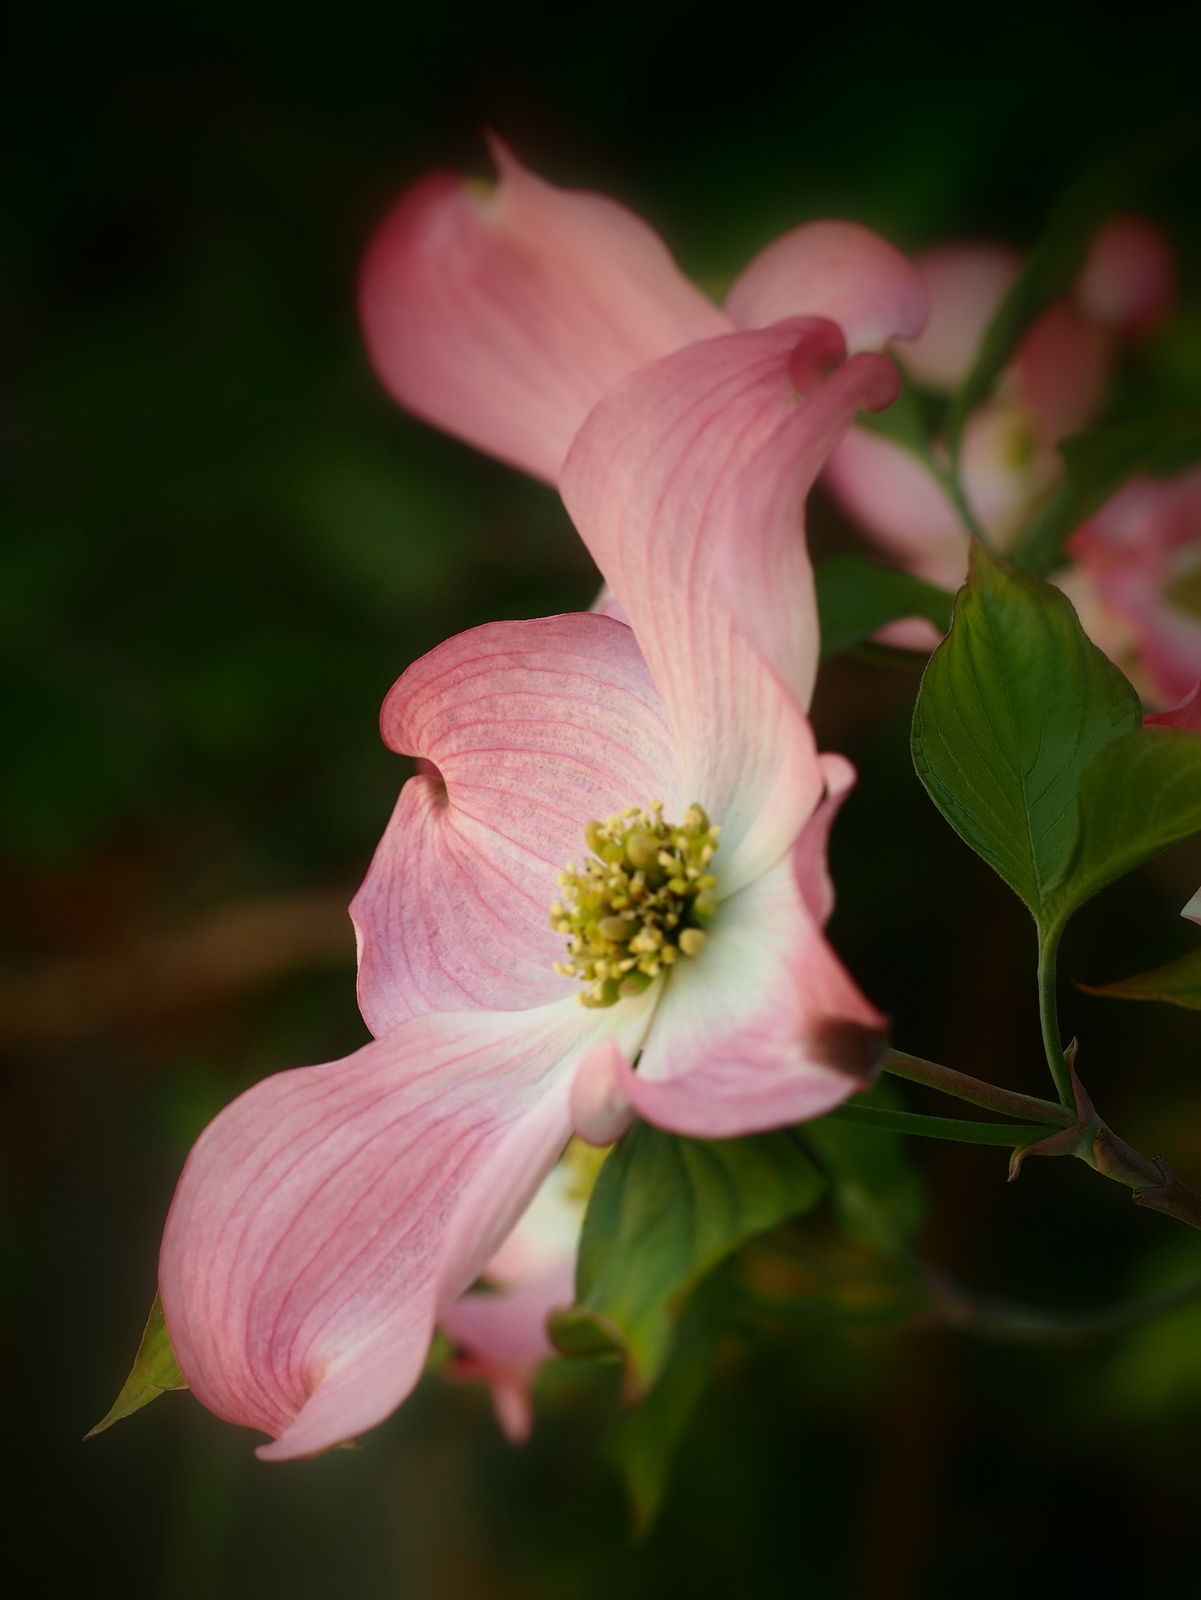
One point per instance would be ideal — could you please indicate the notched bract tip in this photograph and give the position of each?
(848, 1047)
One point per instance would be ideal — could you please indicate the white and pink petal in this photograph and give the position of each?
(528, 730)
(330, 1215)
(646, 483)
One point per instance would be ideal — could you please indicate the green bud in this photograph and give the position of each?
(616, 929)
(592, 835)
(693, 941)
(634, 983)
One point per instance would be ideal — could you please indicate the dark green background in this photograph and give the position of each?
(221, 544)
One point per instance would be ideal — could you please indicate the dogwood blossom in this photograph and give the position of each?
(504, 314)
(499, 1331)
(329, 1217)
(1053, 388)
(1186, 715)
(1135, 580)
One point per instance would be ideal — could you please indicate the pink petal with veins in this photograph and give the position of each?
(1129, 279)
(328, 1216)
(644, 483)
(965, 284)
(502, 1340)
(534, 728)
(762, 562)
(837, 270)
(764, 1027)
(504, 316)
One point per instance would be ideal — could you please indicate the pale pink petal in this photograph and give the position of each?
(889, 493)
(1185, 715)
(548, 1231)
(600, 1112)
(758, 519)
(965, 284)
(1193, 910)
(531, 729)
(910, 633)
(837, 270)
(1063, 367)
(1129, 279)
(765, 1027)
(328, 1216)
(504, 315)
(501, 1339)
(1007, 465)
(644, 483)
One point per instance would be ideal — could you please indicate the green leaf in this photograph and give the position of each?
(1138, 795)
(1095, 466)
(1052, 264)
(644, 1440)
(153, 1372)
(855, 598)
(1013, 705)
(877, 1192)
(664, 1212)
(1179, 983)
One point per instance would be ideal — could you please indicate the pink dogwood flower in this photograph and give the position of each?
(1136, 583)
(499, 1332)
(504, 314)
(1053, 388)
(331, 1215)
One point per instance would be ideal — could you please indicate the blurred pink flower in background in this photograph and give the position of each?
(1054, 387)
(331, 1216)
(504, 313)
(1186, 715)
(1136, 583)
(499, 1332)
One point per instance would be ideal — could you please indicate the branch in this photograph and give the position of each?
(953, 1307)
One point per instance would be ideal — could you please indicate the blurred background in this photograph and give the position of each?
(221, 544)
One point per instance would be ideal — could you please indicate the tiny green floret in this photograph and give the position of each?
(639, 902)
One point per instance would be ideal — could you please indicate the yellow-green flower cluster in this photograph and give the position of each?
(639, 902)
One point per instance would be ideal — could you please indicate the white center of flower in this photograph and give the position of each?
(639, 902)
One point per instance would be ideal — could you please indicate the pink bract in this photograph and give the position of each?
(503, 314)
(328, 1218)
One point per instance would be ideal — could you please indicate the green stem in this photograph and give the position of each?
(1012, 1135)
(954, 491)
(974, 1091)
(1048, 1015)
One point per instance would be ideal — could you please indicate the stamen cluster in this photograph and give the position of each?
(638, 903)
